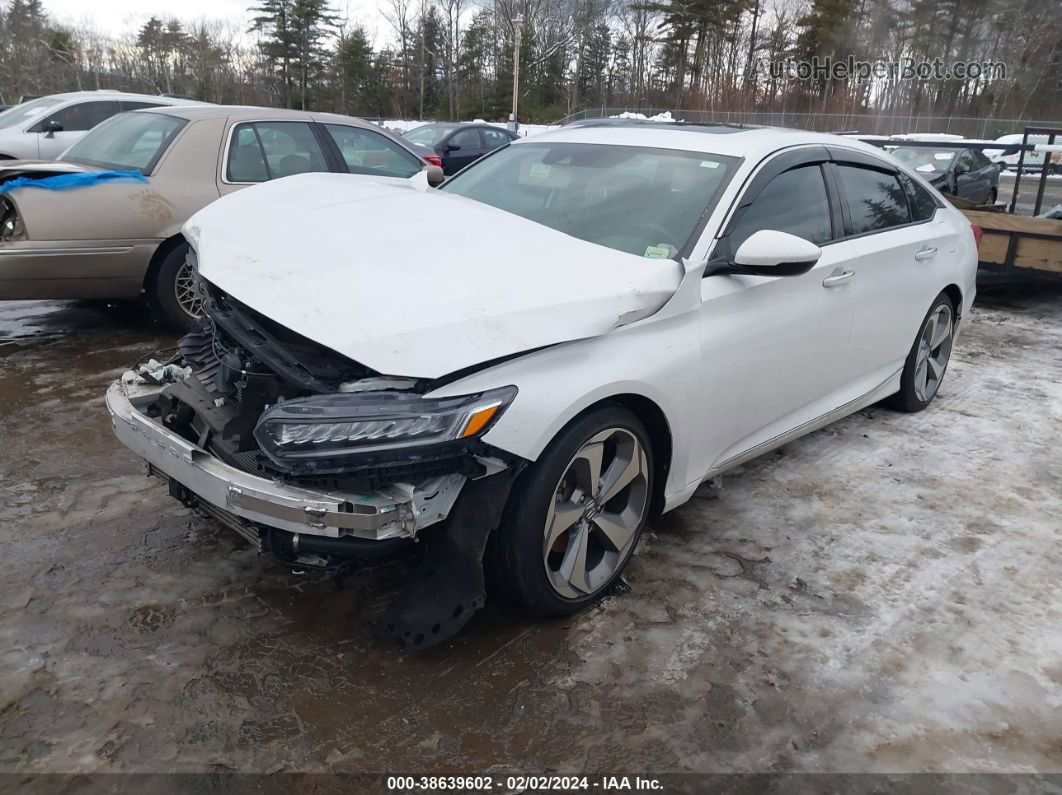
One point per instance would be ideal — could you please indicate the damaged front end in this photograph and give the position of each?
(320, 460)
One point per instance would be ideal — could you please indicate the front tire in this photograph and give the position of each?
(576, 515)
(924, 369)
(172, 292)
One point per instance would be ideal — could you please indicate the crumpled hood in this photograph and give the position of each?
(412, 281)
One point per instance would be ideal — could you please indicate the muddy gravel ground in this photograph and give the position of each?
(883, 595)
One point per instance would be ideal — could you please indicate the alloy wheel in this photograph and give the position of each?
(593, 519)
(186, 292)
(934, 350)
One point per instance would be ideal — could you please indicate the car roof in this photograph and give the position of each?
(719, 139)
(105, 93)
(252, 112)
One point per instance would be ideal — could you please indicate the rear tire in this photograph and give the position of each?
(576, 514)
(993, 195)
(923, 371)
(170, 293)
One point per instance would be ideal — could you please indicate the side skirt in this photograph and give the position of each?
(883, 390)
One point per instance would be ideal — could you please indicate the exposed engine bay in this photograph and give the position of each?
(376, 459)
(242, 363)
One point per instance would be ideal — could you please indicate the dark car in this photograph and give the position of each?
(453, 146)
(965, 173)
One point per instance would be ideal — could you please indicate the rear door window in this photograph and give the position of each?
(494, 138)
(367, 152)
(127, 105)
(80, 116)
(468, 140)
(875, 199)
(795, 202)
(261, 151)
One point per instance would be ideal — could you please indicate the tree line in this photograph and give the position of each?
(453, 59)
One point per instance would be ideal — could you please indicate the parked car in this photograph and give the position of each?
(1034, 161)
(585, 327)
(42, 128)
(122, 240)
(454, 146)
(965, 173)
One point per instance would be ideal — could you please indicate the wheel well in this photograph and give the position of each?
(165, 247)
(656, 424)
(955, 296)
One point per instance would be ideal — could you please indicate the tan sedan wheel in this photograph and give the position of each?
(173, 293)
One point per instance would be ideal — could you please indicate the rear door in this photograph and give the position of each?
(259, 151)
(75, 119)
(463, 147)
(898, 246)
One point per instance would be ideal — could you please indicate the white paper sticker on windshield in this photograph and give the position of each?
(658, 252)
(926, 167)
(539, 170)
(943, 155)
(709, 164)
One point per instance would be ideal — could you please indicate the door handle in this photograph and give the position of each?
(838, 279)
(926, 253)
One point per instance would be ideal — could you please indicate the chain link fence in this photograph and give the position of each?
(867, 124)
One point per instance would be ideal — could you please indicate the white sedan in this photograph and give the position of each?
(523, 366)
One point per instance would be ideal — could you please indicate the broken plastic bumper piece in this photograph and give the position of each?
(397, 511)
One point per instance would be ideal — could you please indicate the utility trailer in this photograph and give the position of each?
(1010, 243)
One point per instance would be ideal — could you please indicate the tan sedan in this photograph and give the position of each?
(116, 240)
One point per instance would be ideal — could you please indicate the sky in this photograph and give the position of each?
(117, 17)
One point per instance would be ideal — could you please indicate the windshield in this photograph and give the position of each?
(428, 135)
(640, 200)
(925, 160)
(26, 111)
(126, 141)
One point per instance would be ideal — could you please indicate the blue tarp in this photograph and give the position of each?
(68, 181)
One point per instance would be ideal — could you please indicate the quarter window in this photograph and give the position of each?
(366, 152)
(261, 151)
(875, 199)
(794, 202)
(923, 206)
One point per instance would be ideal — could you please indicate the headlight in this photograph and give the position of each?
(347, 424)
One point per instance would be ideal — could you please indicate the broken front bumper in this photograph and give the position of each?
(398, 511)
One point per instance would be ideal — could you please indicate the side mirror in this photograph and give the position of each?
(52, 127)
(435, 175)
(772, 253)
(452, 147)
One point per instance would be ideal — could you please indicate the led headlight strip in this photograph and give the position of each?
(346, 424)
